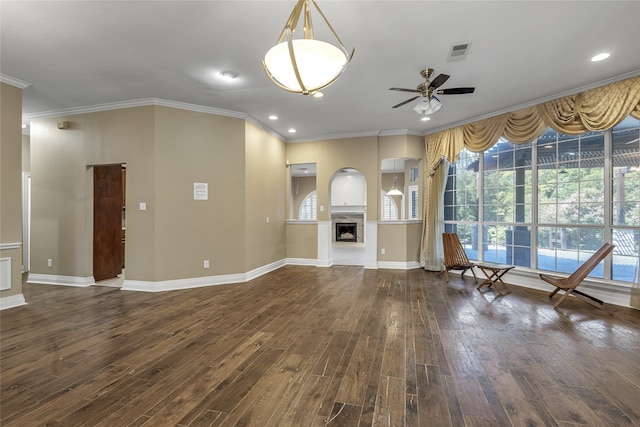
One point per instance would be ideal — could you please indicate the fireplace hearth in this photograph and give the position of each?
(346, 232)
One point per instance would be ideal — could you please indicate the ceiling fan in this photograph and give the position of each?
(428, 89)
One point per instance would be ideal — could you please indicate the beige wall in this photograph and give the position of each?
(265, 172)
(166, 151)
(330, 156)
(194, 147)
(302, 240)
(364, 154)
(62, 189)
(240, 228)
(401, 241)
(401, 146)
(11, 184)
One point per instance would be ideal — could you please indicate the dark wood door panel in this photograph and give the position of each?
(107, 221)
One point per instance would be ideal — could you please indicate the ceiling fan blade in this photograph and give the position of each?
(405, 102)
(439, 81)
(404, 90)
(455, 91)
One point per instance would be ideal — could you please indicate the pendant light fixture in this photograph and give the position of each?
(305, 65)
(394, 187)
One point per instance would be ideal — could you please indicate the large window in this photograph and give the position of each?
(549, 204)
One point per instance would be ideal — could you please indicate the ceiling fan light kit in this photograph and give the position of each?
(429, 103)
(305, 65)
(428, 106)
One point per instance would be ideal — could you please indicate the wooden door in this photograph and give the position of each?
(107, 221)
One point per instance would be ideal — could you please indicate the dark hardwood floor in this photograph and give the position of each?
(305, 346)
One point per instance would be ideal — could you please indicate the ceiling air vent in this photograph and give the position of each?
(458, 51)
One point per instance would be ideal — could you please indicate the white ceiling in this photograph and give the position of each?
(78, 54)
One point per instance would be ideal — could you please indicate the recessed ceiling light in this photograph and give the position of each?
(273, 117)
(425, 119)
(318, 95)
(600, 57)
(292, 130)
(228, 75)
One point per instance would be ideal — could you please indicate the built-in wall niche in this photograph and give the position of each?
(303, 192)
(348, 191)
(348, 205)
(399, 195)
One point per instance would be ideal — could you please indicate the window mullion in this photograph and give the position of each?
(480, 192)
(534, 205)
(608, 199)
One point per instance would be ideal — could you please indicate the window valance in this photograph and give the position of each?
(594, 110)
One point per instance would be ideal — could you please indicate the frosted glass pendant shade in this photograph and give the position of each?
(319, 64)
(428, 106)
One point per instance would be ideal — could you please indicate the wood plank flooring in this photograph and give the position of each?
(305, 346)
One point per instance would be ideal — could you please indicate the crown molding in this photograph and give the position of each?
(13, 81)
(199, 108)
(145, 102)
(92, 108)
(336, 136)
(399, 132)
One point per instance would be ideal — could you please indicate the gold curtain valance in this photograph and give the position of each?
(594, 110)
(597, 109)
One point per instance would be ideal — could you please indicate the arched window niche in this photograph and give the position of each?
(303, 205)
(400, 187)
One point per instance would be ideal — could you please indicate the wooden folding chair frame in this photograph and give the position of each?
(455, 258)
(569, 284)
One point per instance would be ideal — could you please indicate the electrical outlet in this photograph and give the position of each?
(206, 263)
(49, 262)
(382, 251)
(267, 220)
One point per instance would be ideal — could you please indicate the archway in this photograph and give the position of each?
(348, 214)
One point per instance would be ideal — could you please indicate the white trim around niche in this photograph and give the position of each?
(324, 244)
(371, 245)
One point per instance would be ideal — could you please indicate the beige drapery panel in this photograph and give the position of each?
(594, 110)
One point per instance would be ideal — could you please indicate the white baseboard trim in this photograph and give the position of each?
(324, 262)
(12, 301)
(255, 273)
(398, 265)
(311, 262)
(52, 279)
(174, 285)
(199, 282)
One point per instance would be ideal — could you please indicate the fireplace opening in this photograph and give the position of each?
(346, 232)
